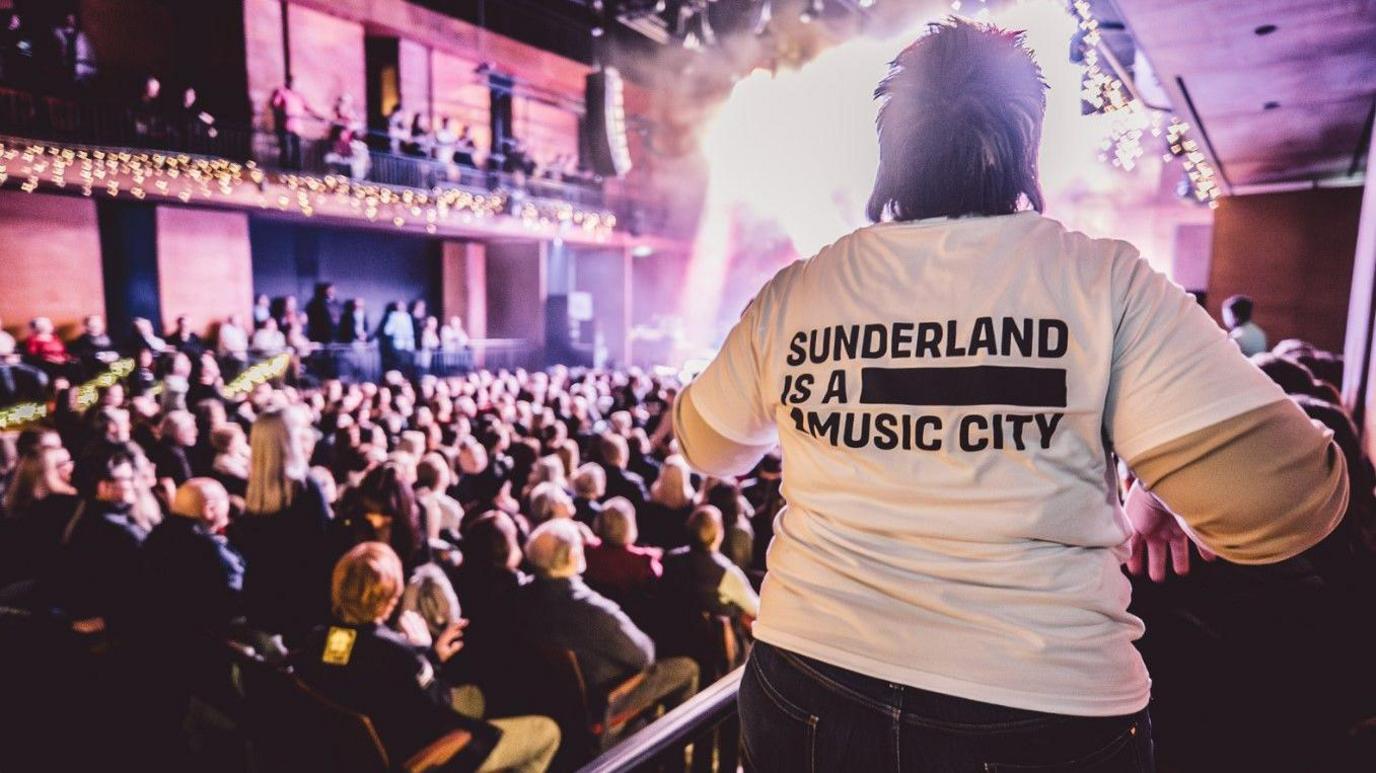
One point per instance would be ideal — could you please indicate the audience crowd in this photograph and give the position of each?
(431, 551)
(424, 550)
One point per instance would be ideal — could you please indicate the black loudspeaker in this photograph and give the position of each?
(609, 154)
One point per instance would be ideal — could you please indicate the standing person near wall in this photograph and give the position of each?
(948, 386)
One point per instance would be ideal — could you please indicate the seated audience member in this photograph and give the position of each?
(383, 509)
(764, 493)
(7, 343)
(232, 340)
(480, 480)
(443, 514)
(620, 481)
(547, 501)
(1237, 318)
(268, 339)
(282, 534)
(490, 575)
(182, 338)
(230, 465)
(739, 541)
(177, 436)
(192, 578)
(38, 503)
(365, 666)
(618, 568)
(589, 487)
(559, 610)
(93, 347)
(43, 347)
(671, 500)
(96, 577)
(642, 461)
(1295, 378)
(700, 575)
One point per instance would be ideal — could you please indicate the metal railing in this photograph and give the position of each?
(694, 722)
(367, 361)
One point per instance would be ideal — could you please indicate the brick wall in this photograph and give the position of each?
(51, 261)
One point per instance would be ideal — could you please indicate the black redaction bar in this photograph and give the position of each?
(978, 385)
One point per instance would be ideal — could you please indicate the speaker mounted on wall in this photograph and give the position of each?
(609, 153)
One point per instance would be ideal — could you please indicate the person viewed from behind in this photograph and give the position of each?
(699, 578)
(947, 386)
(282, 535)
(617, 567)
(616, 658)
(1237, 317)
(322, 314)
(389, 677)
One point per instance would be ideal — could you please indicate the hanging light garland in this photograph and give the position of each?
(86, 396)
(187, 177)
(259, 373)
(1130, 119)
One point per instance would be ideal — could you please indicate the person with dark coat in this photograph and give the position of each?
(620, 481)
(390, 677)
(322, 314)
(558, 609)
(96, 576)
(282, 535)
(353, 323)
(192, 577)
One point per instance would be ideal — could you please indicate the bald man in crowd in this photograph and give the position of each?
(191, 575)
(617, 658)
(188, 605)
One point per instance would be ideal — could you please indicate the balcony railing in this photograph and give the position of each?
(27, 115)
(696, 722)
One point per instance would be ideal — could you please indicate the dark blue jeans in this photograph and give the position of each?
(799, 715)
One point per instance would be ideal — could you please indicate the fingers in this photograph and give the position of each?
(1205, 553)
(1156, 560)
(1180, 555)
(1136, 547)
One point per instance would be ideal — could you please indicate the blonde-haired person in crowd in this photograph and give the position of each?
(671, 500)
(282, 532)
(589, 487)
(36, 508)
(360, 663)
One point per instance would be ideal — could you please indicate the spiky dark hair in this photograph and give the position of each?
(959, 125)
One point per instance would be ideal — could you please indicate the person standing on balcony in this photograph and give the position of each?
(289, 112)
(74, 51)
(398, 129)
(322, 314)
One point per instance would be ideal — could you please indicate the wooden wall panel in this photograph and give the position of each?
(49, 261)
(205, 265)
(1293, 253)
(327, 61)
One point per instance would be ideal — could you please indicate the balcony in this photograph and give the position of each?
(95, 125)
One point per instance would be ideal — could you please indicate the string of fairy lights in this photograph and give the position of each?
(1131, 120)
(22, 414)
(185, 177)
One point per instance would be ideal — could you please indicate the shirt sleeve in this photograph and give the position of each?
(1258, 488)
(730, 393)
(1174, 370)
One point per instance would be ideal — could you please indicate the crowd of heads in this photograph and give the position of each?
(439, 496)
